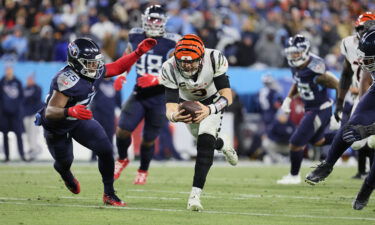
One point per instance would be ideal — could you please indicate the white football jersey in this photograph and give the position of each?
(349, 47)
(214, 64)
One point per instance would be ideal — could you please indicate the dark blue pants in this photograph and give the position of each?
(90, 134)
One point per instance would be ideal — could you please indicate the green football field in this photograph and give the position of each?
(247, 194)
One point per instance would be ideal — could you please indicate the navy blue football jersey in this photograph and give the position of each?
(80, 91)
(152, 61)
(313, 94)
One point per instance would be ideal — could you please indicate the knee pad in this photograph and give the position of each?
(205, 149)
(206, 141)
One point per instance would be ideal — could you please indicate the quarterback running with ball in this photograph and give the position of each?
(196, 73)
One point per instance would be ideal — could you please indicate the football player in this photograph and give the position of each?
(311, 82)
(349, 80)
(146, 103)
(198, 74)
(65, 114)
(358, 127)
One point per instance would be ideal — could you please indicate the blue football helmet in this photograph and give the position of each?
(366, 51)
(154, 20)
(85, 58)
(297, 50)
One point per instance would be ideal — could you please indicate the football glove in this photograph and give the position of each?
(338, 110)
(147, 80)
(80, 112)
(285, 107)
(145, 46)
(353, 133)
(117, 84)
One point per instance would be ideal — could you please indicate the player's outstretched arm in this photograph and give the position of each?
(344, 85)
(56, 108)
(126, 61)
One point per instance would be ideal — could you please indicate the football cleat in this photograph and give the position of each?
(229, 152)
(319, 173)
(74, 186)
(194, 202)
(120, 165)
(360, 176)
(141, 177)
(112, 199)
(362, 197)
(290, 179)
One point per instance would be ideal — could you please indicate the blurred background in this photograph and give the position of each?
(252, 34)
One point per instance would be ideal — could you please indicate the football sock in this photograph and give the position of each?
(63, 168)
(20, 145)
(337, 148)
(296, 158)
(146, 155)
(106, 165)
(371, 176)
(6, 145)
(205, 157)
(362, 152)
(122, 146)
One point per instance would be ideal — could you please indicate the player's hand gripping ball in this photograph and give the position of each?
(190, 107)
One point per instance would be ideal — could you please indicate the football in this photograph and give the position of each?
(190, 107)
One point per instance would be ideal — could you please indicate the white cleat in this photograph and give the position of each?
(229, 152)
(194, 202)
(290, 179)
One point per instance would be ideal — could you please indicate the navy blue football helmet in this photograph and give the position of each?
(297, 50)
(85, 58)
(154, 20)
(366, 51)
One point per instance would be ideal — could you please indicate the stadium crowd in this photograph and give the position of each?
(248, 32)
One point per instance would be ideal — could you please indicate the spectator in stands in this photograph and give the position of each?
(32, 103)
(11, 99)
(276, 140)
(270, 99)
(41, 45)
(267, 50)
(15, 45)
(245, 51)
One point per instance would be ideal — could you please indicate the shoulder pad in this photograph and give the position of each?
(317, 64)
(218, 61)
(136, 30)
(172, 36)
(66, 79)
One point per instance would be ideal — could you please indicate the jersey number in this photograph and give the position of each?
(199, 92)
(150, 64)
(305, 91)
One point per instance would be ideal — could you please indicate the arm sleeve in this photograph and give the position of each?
(221, 82)
(121, 65)
(171, 95)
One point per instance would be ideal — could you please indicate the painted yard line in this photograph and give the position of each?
(185, 211)
(126, 197)
(238, 196)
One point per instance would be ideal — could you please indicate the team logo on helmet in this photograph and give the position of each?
(73, 49)
(189, 54)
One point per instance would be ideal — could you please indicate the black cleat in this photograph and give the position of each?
(319, 173)
(362, 197)
(112, 199)
(360, 176)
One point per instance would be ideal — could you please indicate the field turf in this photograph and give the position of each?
(247, 194)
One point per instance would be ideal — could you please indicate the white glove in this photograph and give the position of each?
(333, 124)
(285, 107)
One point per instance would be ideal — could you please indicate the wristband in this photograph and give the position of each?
(219, 105)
